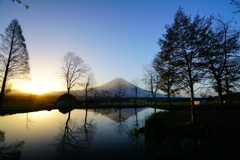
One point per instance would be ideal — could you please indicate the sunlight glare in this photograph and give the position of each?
(39, 114)
(39, 88)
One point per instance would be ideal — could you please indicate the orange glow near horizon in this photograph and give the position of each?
(37, 88)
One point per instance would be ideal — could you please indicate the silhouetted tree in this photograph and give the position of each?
(106, 96)
(183, 41)
(120, 90)
(151, 81)
(220, 49)
(89, 85)
(135, 89)
(31, 97)
(237, 4)
(231, 77)
(14, 58)
(168, 73)
(73, 70)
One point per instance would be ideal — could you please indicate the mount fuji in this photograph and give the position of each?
(111, 86)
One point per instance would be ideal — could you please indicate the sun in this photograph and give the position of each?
(40, 88)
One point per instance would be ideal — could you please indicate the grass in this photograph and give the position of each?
(212, 120)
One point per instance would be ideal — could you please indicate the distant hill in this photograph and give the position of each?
(15, 92)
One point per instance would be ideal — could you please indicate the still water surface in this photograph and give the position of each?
(78, 134)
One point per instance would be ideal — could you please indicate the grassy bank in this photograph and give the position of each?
(206, 119)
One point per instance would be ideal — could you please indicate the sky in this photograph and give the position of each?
(114, 37)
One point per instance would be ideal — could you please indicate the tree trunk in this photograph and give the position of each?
(193, 119)
(119, 101)
(86, 96)
(228, 92)
(6, 72)
(135, 100)
(85, 122)
(2, 91)
(5, 80)
(169, 99)
(220, 98)
(69, 98)
(154, 101)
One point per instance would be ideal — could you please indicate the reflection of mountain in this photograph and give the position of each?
(112, 113)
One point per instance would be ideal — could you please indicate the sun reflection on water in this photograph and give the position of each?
(40, 113)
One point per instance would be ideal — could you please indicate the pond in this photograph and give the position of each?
(77, 134)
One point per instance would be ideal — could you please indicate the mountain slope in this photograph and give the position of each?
(111, 86)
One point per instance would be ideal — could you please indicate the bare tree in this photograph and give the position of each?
(120, 90)
(106, 96)
(135, 89)
(89, 85)
(73, 70)
(151, 80)
(222, 46)
(14, 58)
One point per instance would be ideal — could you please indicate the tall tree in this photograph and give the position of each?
(221, 48)
(14, 58)
(151, 81)
(89, 85)
(73, 70)
(168, 73)
(183, 41)
(135, 89)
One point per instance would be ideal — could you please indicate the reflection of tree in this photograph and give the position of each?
(120, 123)
(73, 141)
(88, 129)
(136, 124)
(103, 111)
(133, 134)
(29, 123)
(187, 144)
(12, 151)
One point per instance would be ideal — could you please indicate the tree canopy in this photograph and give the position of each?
(14, 58)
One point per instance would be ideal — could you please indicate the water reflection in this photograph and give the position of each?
(120, 123)
(73, 134)
(12, 151)
(29, 123)
(187, 144)
(74, 140)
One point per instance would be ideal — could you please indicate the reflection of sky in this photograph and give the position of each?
(46, 125)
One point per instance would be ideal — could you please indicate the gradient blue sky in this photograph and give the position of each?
(114, 37)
